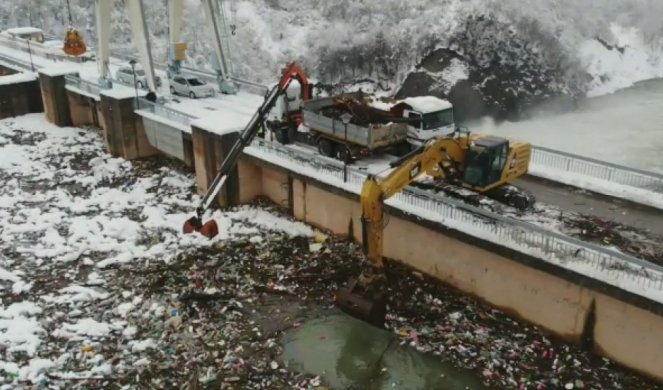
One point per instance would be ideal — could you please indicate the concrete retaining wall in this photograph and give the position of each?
(84, 110)
(20, 99)
(124, 133)
(55, 101)
(630, 333)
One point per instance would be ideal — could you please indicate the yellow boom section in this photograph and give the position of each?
(444, 159)
(430, 160)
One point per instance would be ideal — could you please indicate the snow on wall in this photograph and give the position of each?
(23, 30)
(17, 78)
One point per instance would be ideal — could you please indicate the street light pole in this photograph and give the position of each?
(32, 65)
(346, 120)
(133, 70)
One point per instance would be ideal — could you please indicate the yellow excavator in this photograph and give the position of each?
(478, 162)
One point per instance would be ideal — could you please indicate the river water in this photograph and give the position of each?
(351, 354)
(624, 128)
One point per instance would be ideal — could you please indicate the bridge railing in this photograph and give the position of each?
(595, 261)
(166, 112)
(84, 85)
(39, 49)
(16, 63)
(596, 169)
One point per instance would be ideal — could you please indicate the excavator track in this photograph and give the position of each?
(506, 195)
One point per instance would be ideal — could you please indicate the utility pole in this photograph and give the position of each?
(133, 70)
(346, 121)
(32, 65)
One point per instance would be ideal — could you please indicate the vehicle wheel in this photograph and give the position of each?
(326, 147)
(292, 134)
(192, 95)
(281, 134)
(403, 149)
(139, 85)
(172, 90)
(343, 153)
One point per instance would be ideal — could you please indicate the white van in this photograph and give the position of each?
(125, 75)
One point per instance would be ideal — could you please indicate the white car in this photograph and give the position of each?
(125, 75)
(190, 86)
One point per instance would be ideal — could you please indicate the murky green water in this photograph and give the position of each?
(350, 354)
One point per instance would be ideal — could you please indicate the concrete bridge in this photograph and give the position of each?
(607, 301)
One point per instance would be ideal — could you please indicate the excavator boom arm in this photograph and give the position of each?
(443, 158)
(376, 190)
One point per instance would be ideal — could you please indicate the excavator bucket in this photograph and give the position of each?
(208, 229)
(365, 305)
(73, 43)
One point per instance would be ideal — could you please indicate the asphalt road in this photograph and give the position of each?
(589, 203)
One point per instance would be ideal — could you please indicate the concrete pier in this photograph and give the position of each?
(54, 96)
(19, 94)
(124, 131)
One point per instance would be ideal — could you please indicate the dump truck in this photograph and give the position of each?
(354, 125)
(339, 130)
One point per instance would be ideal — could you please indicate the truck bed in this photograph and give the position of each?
(373, 136)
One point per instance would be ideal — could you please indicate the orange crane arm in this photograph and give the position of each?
(245, 137)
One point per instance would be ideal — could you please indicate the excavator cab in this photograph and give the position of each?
(486, 170)
(485, 161)
(73, 43)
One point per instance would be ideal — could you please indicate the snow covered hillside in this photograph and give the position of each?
(512, 53)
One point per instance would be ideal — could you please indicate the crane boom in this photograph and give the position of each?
(246, 136)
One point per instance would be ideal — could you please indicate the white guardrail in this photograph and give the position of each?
(17, 64)
(166, 112)
(596, 169)
(565, 251)
(89, 87)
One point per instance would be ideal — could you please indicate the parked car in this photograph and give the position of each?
(125, 75)
(190, 86)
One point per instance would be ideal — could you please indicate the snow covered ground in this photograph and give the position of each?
(71, 214)
(219, 114)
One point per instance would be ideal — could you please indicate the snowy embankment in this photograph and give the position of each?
(69, 213)
(621, 64)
